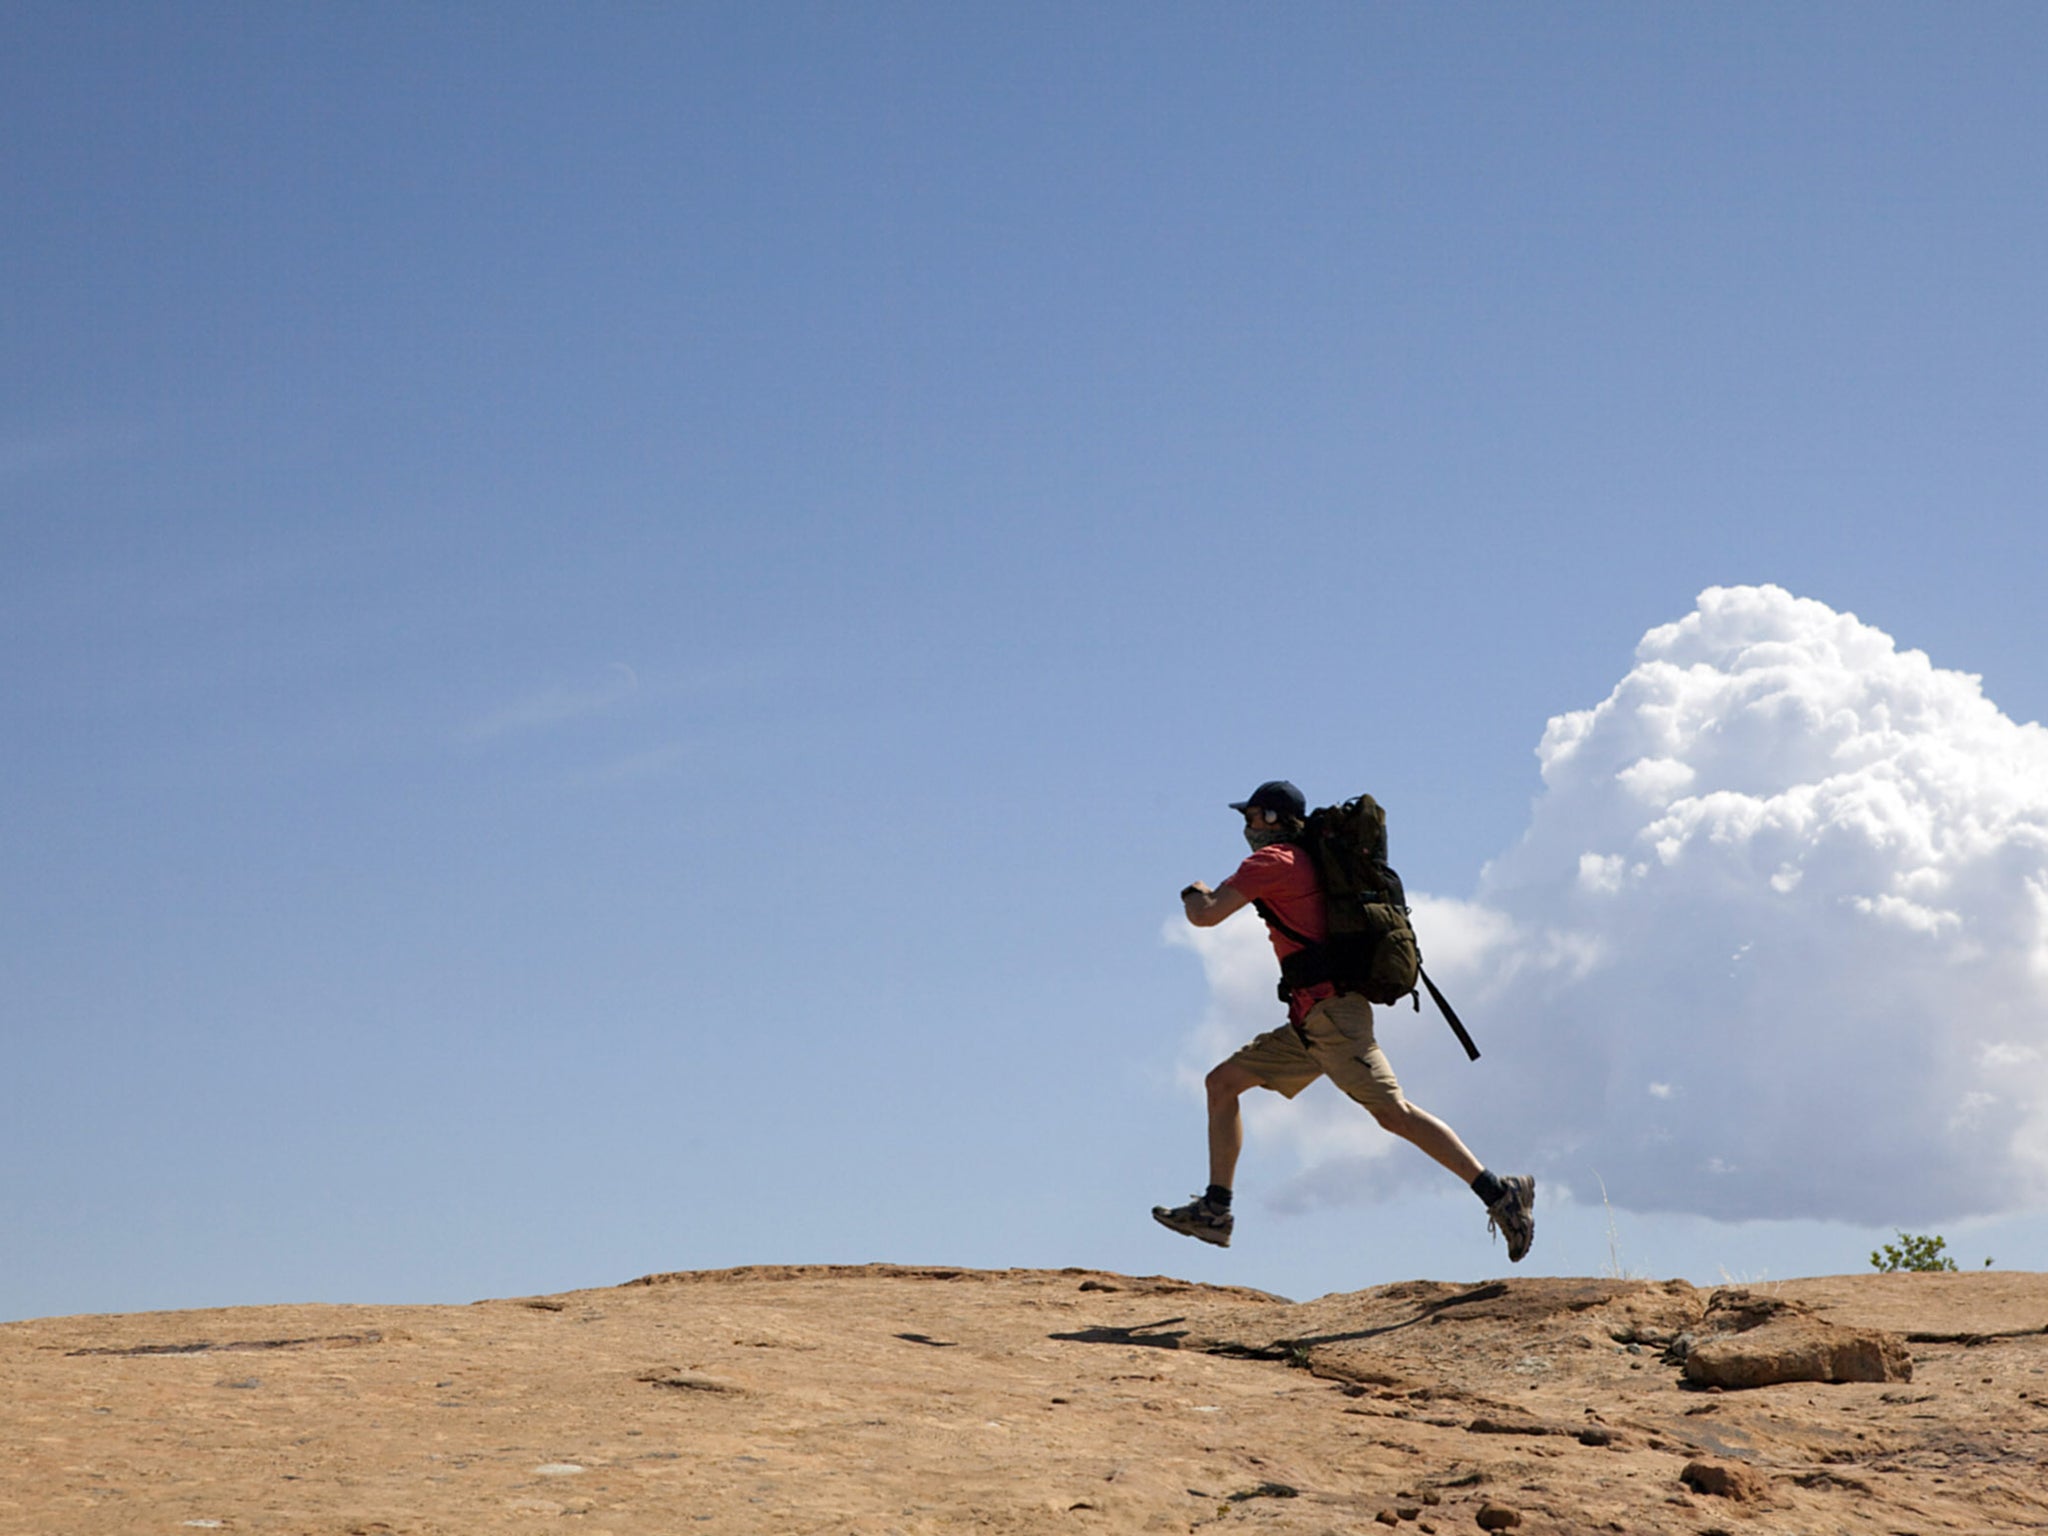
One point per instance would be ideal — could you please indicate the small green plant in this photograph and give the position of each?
(1913, 1252)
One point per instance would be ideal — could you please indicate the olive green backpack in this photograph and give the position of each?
(1370, 945)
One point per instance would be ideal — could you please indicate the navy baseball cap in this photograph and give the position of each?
(1274, 795)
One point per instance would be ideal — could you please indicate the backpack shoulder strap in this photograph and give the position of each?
(1265, 910)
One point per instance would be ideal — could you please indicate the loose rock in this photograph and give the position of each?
(1798, 1349)
(1725, 1480)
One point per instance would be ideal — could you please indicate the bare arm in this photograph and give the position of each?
(1206, 908)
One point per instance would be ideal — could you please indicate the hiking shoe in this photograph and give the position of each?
(1513, 1215)
(1198, 1218)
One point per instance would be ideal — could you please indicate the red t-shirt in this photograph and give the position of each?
(1282, 876)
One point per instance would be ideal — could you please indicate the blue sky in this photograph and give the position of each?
(620, 623)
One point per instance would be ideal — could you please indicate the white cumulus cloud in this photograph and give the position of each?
(1773, 945)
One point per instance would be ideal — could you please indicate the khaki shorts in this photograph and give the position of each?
(1340, 1046)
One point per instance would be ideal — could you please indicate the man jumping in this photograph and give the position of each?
(1328, 1033)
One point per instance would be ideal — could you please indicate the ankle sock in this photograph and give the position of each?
(1487, 1187)
(1218, 1196)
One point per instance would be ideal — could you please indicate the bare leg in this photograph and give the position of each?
(1420, 1128)
(1226, 1125)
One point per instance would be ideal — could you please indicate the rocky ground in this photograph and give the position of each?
(885, 1399)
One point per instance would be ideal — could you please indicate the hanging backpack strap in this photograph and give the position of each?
(1450, 1015)
(1288, 983)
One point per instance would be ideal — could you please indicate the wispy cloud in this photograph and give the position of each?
(556, 705)
(637, 767)
(1774, 944)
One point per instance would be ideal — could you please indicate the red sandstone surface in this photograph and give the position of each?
(885, 1399)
